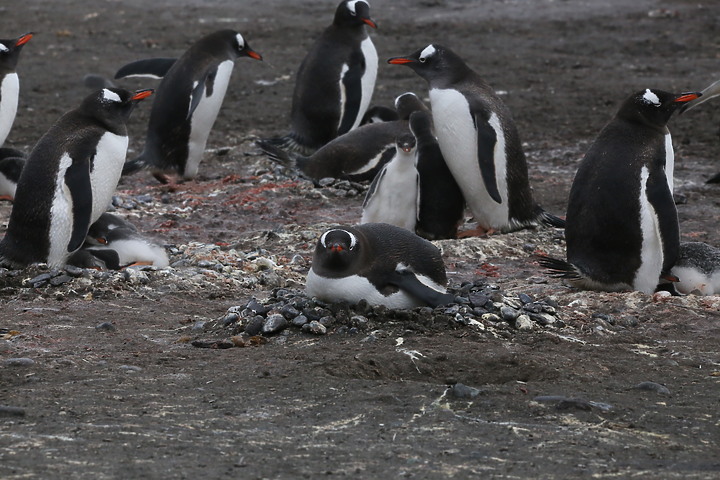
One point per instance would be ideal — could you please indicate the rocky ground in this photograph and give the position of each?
(220, 367)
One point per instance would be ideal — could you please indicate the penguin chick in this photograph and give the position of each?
(622, 228)
(134, 249)
(187, 102)
(11, 165)
(697, 269)
(334, 83)
(381, 263)
(394, 195)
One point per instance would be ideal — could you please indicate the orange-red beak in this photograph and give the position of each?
(400, 60)
(253, 54)
(686, 97)
(336, 248)
(369, 22)
(24, 39)
(142, 94)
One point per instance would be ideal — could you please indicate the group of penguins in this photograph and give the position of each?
(427, 164)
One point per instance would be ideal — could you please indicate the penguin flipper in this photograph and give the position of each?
(408, 282)
(352, 86)
(559, 268)
(714, 179)
(149, 67)
(77, 179)
(660, 197)
(277, 154)
(486, 140)
(199, 90)
(374, 186)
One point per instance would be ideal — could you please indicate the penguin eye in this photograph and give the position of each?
(422, 59)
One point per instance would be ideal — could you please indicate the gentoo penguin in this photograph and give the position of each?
(622, 226)
(132, 248)
(98, 231)
(11, 164)
(697, 269)
(394, 194)
(187, 102)
(381, 263)
(479, 141)
(441, 201)
(97, 258)
(359, 154)
(379, 113)
(9, 83)
(68, 180)
(334, 83)
(711, 91)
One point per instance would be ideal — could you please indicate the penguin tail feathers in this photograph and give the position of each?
(134, 165)
(714, 179)
(277, 154)
(559, 268)
(551, 220)
(291, 143)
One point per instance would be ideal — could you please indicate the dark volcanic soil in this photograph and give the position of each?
(140, 401)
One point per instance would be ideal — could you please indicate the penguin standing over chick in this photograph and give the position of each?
(9, 82)
(68, 180)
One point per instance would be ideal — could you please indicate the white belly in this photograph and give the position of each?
(7, 187)
(368, 79)
(138, 250)
(108, 164)
(669, 162)
(61, 218)
(651, 254)
(204, 117)
(395, 200)
(458, 138)
(354, 288)
(9, 90)
(694, 281)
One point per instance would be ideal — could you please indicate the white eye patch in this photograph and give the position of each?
(427, 52)
(111, 96)
(240, 40)
(353, 239)
(3, 48)
(650, 97)
(352, 6)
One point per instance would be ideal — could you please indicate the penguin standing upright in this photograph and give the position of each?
(9, 83)
(335, 81)
(68, 180)
(479, 141)
(441, 201)
(622, 228)
(187, 102)
(357, 155)
(381, 263)
(394, 195)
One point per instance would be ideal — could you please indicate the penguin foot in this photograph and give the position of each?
(477, 232)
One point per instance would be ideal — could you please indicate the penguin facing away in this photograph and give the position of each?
(11, 165)
(381, 263)
(187, 102)
(442, 205)
(357, 155)
(68, 180)
(394, 194)
(697, 269)
(479, 141)
(622, 228)
(9, 82)
(335, 81)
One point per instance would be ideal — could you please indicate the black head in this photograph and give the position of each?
(421, 123)
(653, 107)
(10, 52)
(337, 249)
(408, 103)
(405, 142)
(241, 48)
(112, 106)
(434, 63)
(353, 13)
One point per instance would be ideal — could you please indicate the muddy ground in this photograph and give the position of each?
(136, 399)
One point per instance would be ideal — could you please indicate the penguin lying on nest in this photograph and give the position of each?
(381, 263)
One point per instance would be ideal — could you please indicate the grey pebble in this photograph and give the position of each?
(525, 298)
(315, 328)
(300, 320)
(509, 314)
(255, 325)
(8, 411)
(230, 318)
(199, 326)
(460, 390)
(523, 323)
(543, 318)
(105, 326)
(130, 368)
(19, 362)
(60, 279)
(653, 387)
(275, 323)
(40, 279)
(74, 271)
